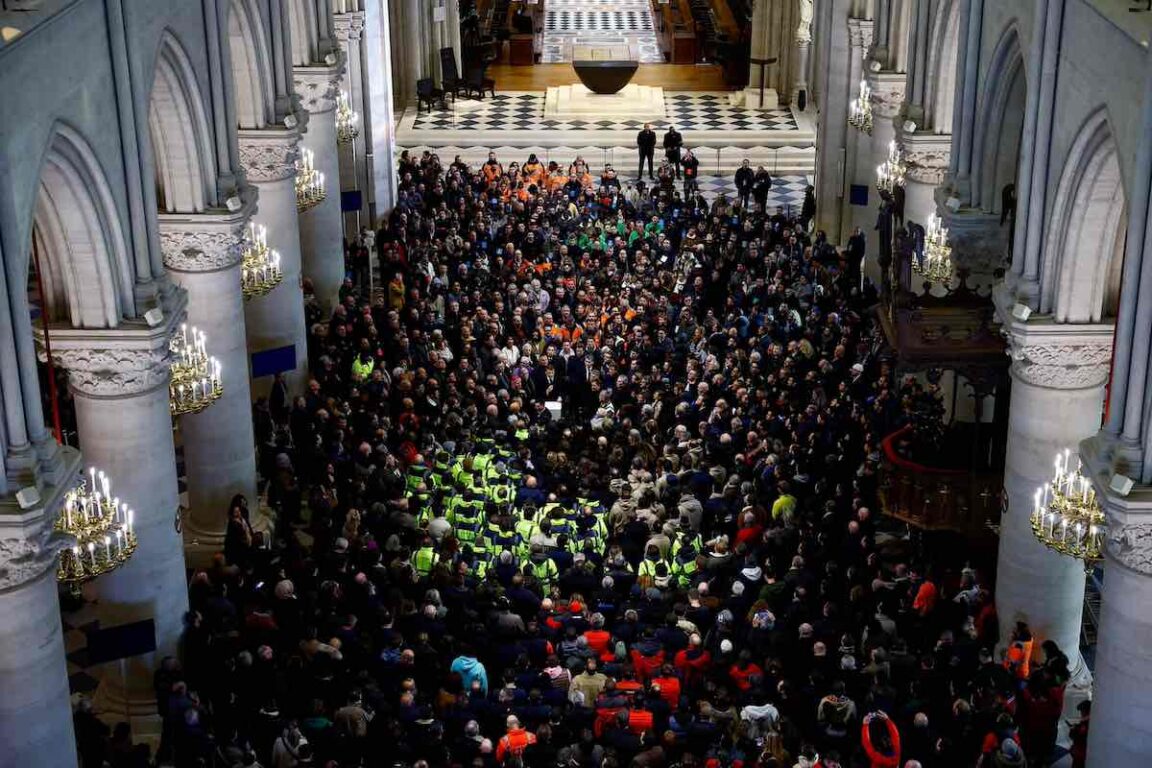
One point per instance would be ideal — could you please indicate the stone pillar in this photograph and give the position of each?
(887, 98)
(800, 83)
(276, 321)
(353, 176)
(761, 48)
(35, 713)
(119, 380)
(928, 156)
(377, 117)
(836, 92)
(203, 254)
(1121, 733)
(1058, 376)
(321, 229)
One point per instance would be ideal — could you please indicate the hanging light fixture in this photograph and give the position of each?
(310, 189)
(890, 173)
(936, 266)
(195, 383)
(1066, 516)
(347, 120)
(860, 110)
(260, 268)
(102, 526)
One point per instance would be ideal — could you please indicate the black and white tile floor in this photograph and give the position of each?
(525, 112)
(599, 22)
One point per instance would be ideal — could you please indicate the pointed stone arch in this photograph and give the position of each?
(86, 274)
(180, 133)
(305, 32)
(1000, 114)
(252, 82)
(942, 64)
(1084, 242)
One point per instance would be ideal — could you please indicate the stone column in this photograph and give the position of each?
(1121, 733)
(761, 48)
(377, 117)
(928, 156)
(353, 176)
(203, 254)
(887, 98)
(1058, 376)
(35, 713)
(276, 321)
(119, 380)
(321, 229)
(835, 93)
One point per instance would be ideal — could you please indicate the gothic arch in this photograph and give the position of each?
(85, 272)
(1084, 243)
(180, 133)
(305, 37)
(252, 81)
(942, 63)
(996, 153)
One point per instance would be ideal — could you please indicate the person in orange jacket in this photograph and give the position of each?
(513, 743)
(884, 751)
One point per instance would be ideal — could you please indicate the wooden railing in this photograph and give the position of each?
(932, 498)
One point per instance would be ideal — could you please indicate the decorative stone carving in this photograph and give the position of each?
(318, 87)
(204, 251)
(1061, 364)
(927, 164)
(350, 26)
(860, 34)
(804, 28)
(269, 158)
(1132, 545)
(115, 372)
(887, 94)
(24, 559)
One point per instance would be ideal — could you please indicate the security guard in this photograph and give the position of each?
(425, 558)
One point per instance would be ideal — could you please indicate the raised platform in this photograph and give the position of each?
(633, 102)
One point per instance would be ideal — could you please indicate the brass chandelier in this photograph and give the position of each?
(310, 190)
(347, 120)
(1066, 516)
(860, 110)
(936, 266)
(102, 527)
(195, 381)
(890, 173)
(260, 268)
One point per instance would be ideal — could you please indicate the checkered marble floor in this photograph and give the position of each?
(696, 111)
(599, 22)
(787, 191)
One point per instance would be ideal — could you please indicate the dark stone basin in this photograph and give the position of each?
(605, 76)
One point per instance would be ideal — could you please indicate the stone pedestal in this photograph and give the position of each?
(637, 102)
(1058, 376)
(35, 716)
(753, 100)
(119, 379)
(203, 254)
(276, 320)
(321, 230)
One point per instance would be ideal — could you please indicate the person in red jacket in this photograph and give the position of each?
(514, 742)
(693, 662)
(669, 686)
(745, 671)
(883, 750)
(598, 639)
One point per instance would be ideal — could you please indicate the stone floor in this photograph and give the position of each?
(578, 23)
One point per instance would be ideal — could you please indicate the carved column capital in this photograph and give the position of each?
(928, 156)
(131, 359)
(1054, 355)
(349, 26)
(318, 86)
(269, 155)
(1131, 545)
(206, 242)
(24, 559)
(860, 33)
(887, 93)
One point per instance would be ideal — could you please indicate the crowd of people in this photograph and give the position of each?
(587, 476)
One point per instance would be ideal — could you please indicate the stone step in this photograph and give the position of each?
(713, 160)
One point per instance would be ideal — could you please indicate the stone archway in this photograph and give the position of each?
(1084, 245)
(180, 133)
(86, 275)
(996, 154)
(252, 83)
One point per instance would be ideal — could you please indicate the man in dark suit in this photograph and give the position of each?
(673, 141)
(745, 180)
(646, 144)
